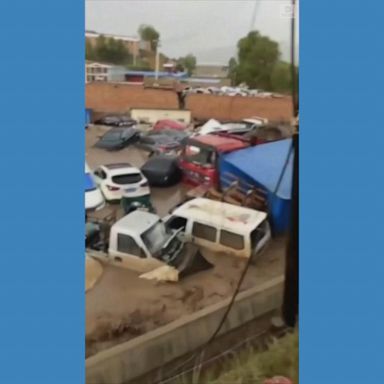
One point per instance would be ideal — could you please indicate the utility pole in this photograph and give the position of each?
(157, 60)
(291, 286)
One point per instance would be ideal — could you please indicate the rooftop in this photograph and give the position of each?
(117, 37)
(228, 216)
(117, 165)
(121, 168)
(136, 221)
(222, 144)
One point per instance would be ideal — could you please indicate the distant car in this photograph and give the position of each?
(94, 199)
(116, 121)
(118, 138)
(169, 124)
(162, 171)
(121, 179)
(167, 140)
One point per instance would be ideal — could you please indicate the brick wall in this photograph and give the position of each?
(119, 98)
(205, 107)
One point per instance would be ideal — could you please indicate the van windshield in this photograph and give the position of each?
(199, 155)
(155, 237)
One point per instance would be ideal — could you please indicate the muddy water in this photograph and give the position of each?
(122, 306)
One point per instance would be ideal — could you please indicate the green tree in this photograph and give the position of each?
(257, 57)
(281, 78)
(110, 50)
(232, 70)
(89, 51)
(188, 63)
(149, 33)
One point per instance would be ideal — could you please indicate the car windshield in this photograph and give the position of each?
(155, 237)
(129, 178)
(111, 119)
(112, 136)
(199, 155)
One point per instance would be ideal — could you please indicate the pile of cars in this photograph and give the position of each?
(142, 240)
(230, 91)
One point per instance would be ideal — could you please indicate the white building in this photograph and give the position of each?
(103, 72)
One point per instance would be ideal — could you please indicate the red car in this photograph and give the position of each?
(169, 124)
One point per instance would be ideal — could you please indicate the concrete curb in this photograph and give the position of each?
(134, 358)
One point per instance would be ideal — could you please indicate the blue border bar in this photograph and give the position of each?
(341, 196)
(42, 184)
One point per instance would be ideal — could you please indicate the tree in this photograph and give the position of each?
(149, 33)
(188, 63)
(89, 51)
(108, 51)
(257, 57)
(281, 77)
(232, 70)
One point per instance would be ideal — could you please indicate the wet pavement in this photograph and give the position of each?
(163, 199)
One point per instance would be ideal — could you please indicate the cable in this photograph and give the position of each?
(283, 169)
(254, 14)
(295, 102)
(223, 319)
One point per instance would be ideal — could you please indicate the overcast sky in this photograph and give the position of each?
(209, 29)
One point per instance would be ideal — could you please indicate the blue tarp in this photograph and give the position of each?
(263, 166)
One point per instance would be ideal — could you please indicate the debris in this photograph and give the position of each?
(163, 273)
(93, 272)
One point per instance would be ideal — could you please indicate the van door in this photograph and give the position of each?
(130, 254)
(234, 243)
(204, 235)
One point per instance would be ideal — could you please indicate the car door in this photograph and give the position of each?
(130, 254)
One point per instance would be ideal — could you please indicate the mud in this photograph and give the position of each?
(121, 306)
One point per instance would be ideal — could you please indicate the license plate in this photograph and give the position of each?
(130, 190)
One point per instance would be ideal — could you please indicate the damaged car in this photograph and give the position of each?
(140, 241)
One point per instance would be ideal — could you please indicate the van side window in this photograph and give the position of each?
(126, 244)
(204, 231)
(176, 222)
(231, 240)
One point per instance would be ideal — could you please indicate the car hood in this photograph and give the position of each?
(108, 144)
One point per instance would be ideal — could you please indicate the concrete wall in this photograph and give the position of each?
(237, 107)
(120, 98)
(132, 359)
(154, 115)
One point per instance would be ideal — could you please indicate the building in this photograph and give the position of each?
(214, 71)
(139, 77)
(104, 72)
(134, 45)
(206, 75)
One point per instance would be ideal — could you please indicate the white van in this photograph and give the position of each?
(222, 227)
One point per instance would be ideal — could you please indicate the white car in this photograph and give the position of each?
(121, 179)
(94, 199)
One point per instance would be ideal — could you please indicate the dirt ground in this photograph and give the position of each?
(121, 306)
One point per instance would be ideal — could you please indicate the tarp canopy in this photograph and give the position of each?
(264, 164)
